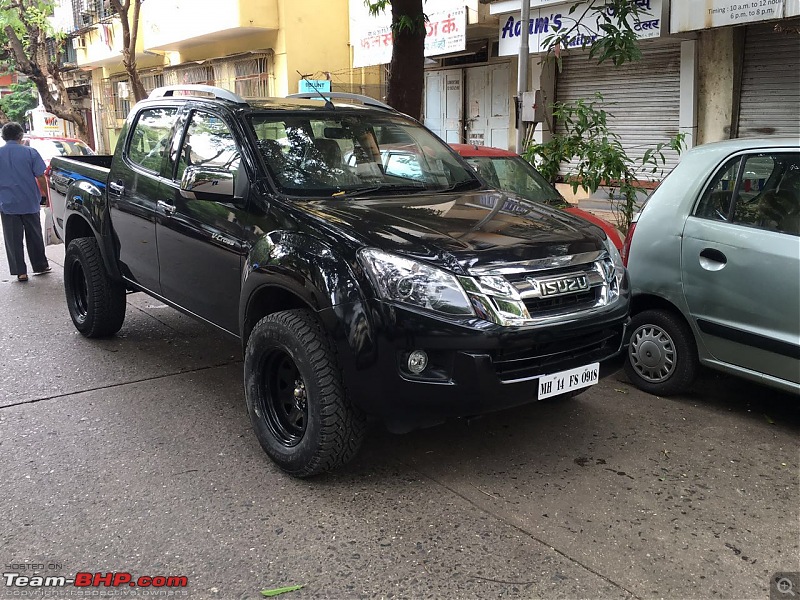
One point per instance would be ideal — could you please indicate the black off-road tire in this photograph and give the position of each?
(662, 354)
(295, 396)
(96, 303)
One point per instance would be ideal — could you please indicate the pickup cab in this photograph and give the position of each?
(365, 268)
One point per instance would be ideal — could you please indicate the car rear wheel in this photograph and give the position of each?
(662, 356)
(295, 397)
(96, 302)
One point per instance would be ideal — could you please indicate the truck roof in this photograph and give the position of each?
(304, 101)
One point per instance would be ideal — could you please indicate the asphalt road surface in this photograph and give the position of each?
(135, 455)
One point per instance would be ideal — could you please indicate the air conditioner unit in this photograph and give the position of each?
(79, 43)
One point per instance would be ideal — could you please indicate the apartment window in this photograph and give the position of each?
(253, 77)
(195, 75)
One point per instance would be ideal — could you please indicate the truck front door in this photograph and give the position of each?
(200, 239)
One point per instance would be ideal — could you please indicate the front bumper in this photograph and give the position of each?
(474, 366)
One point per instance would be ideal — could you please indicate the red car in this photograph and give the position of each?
(510, 172)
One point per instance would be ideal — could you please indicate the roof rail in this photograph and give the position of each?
(192, 90)
(366, 100)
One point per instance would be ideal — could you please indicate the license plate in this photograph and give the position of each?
(567, 381)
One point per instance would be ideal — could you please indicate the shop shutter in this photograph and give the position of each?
(642, 98)
(770, 100)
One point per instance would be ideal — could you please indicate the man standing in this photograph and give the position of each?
(20, 168)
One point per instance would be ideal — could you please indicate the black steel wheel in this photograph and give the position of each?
(297, 403)
(662, 355)
(284, 402)
(96, 303)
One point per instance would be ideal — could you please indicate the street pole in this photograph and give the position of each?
(522, 69)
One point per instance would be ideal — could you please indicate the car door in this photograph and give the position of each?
(741, 263)
(200, 238)
(134, 186)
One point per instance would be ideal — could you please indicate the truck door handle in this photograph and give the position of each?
(166, 207)
(712, 259)
(117, 188)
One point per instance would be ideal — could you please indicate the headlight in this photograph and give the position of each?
(613, 253)
(615, 271)
(400, 279)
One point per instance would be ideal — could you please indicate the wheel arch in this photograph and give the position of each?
(79, 226)
(287, 270)
(267, 299)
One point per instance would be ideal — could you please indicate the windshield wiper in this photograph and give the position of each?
(384, 187)
(467, 184)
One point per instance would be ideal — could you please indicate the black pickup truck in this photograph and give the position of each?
(366, 269)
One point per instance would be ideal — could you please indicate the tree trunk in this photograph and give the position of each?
(406, 78)
(37, 70)
(130, 31)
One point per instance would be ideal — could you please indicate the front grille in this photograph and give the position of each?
(555, 355)
(543, 306)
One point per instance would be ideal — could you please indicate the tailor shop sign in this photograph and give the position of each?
(691, 15)
(547, 21)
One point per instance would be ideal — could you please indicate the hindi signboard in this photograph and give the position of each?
(372, 39)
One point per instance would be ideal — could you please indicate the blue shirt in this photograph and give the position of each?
(19, 168)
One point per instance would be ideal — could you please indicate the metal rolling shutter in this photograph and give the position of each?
(642, 98)
(770, 100)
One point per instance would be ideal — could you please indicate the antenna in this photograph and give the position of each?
(328, 103)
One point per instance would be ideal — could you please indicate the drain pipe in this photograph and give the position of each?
(522, 69)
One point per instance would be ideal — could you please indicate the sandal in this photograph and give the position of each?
(22, 277)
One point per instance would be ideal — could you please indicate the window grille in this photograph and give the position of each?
(253, 77)
(195, 75)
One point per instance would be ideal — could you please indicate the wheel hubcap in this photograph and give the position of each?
(283, 398)
(652, 353)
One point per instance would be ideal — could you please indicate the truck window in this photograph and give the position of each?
(210, 143)
(151, 133)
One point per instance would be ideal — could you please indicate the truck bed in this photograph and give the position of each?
(66, 173)
(95, 166)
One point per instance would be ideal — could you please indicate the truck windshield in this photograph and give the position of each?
(352, 154)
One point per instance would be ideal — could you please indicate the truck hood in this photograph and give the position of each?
(460, 232)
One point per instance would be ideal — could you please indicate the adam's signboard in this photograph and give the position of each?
(690, 15)
(547, 20)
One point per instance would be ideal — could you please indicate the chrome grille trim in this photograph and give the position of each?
(540, 264)
(506, 299)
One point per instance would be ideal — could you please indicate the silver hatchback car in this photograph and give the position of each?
(714, 263)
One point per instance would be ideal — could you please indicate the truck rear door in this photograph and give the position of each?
(135, 185)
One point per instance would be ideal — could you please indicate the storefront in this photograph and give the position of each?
(769, 102)
(470, 104)
(642, 98)
(750, 66)
(648, 101)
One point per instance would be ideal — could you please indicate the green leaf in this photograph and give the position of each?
(283, 590)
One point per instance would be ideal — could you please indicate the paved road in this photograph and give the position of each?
(135, 454)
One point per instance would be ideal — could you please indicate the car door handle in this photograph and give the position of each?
(166, 207)
(712, 259)
(117, 188)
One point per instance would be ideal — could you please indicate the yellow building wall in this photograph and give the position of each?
(313, 40)
(168, 24)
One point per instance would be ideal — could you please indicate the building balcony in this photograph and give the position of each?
(176, 25)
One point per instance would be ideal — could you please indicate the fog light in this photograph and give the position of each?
(417, 361)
